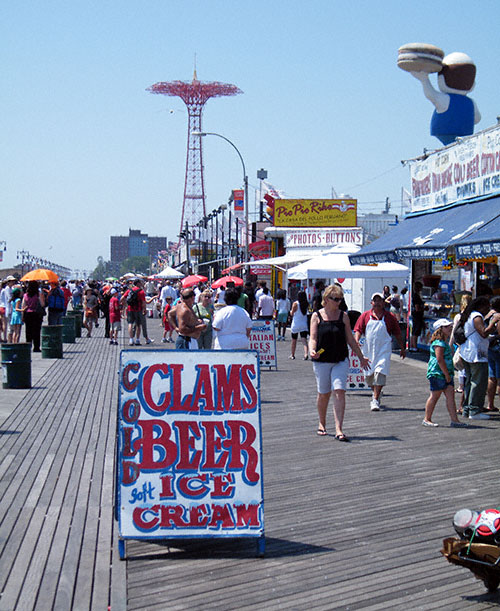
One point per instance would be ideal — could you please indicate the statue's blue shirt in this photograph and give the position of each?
(458, 120)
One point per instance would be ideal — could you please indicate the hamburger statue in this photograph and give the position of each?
(455, 114)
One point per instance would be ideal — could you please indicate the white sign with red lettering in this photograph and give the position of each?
(263, 339)
(461, 171)
(324, 238)
(189, 449)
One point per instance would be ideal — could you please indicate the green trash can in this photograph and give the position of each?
(16, 365)
(68, 332)
(52, 347)
(78, 314)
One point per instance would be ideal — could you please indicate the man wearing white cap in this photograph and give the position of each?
(378, 326)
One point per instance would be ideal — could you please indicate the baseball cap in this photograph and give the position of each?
(377, 295)
(113, 291)
(441, 322)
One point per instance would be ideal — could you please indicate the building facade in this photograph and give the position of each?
(136, 244)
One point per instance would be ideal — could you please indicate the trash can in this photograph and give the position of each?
(16, 365)
(52, 347)
(78, 315)
(69, 328)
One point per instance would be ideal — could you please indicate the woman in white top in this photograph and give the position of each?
(474, 353)
(300, 324)
(232, 325)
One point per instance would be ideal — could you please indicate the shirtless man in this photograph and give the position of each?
(183, 320)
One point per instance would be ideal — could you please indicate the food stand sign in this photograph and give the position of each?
(315, 213)
(189, 460)
(470, 168)
(263, 340)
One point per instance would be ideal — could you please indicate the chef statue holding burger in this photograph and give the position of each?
(455, 113)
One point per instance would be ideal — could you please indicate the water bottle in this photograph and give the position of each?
(464, 521)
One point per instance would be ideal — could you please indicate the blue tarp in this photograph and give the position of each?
(429, 235)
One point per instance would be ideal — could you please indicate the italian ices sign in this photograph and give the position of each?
(189, 449)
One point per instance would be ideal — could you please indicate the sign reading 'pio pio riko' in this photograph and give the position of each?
(189, 451)
(315, 213)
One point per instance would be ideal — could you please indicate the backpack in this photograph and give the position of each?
(56, 300)
(133, 298)
(395, 303)
(459, 336)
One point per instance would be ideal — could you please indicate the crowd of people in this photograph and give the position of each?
(205, 319)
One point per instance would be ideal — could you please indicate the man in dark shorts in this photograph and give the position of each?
(135, 299)
(417, 316)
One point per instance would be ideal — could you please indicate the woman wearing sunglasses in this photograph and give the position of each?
(330, 335)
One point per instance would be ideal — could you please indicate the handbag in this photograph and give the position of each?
(458, 361)
(40, 310)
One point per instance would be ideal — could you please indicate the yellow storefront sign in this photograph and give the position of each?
(315, 213)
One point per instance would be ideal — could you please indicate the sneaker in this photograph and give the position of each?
(111, 341)
(458, 425)
(426, 423)
(130, 342)
(479, 416)
(374, 405)
(137, 342)
(292, 358)
(149, 341)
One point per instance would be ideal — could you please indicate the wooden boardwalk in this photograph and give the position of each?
(348, 526)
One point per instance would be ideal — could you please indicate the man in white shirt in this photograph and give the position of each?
(265, 306)
(167, 291)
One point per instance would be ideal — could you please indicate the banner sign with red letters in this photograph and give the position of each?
(470, 168)
(189, 450)
(263, 339)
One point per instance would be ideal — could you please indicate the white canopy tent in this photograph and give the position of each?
(338, 265)
(169, 273)
(359, 282)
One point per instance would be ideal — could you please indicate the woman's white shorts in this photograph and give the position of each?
(331, 376)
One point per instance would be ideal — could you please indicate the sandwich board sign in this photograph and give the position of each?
(263, 339)
(189, 460)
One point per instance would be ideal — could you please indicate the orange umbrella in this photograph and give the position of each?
(192, 280)
(41, 275)
(225, 279)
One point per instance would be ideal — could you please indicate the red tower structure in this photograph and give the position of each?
(195, 95)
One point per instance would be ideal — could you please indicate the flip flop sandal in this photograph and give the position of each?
(342, 438)
(321, 432)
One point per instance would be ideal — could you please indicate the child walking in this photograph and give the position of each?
(115, 317)
(282, 311)
(167, 329)
(440, 373)
(16, 318)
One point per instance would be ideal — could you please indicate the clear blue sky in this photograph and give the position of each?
(87, 152)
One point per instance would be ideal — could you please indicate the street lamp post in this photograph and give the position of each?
(245, 180)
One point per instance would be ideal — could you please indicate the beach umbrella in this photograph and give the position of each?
(41, 275)
(192, 280)
(111, 279)
(225, 279)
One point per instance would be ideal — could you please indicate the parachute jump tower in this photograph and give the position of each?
(194, 94)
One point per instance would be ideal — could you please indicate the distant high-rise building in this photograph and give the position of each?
(136, 244)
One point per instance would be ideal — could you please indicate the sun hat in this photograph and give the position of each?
(441, 322)
(9, 278)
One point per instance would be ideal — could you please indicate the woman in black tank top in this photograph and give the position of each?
(328, 347)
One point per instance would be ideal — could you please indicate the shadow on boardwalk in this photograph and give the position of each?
(348, 526)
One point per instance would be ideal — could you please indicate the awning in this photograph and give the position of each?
(484, 242)
(429, 235)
